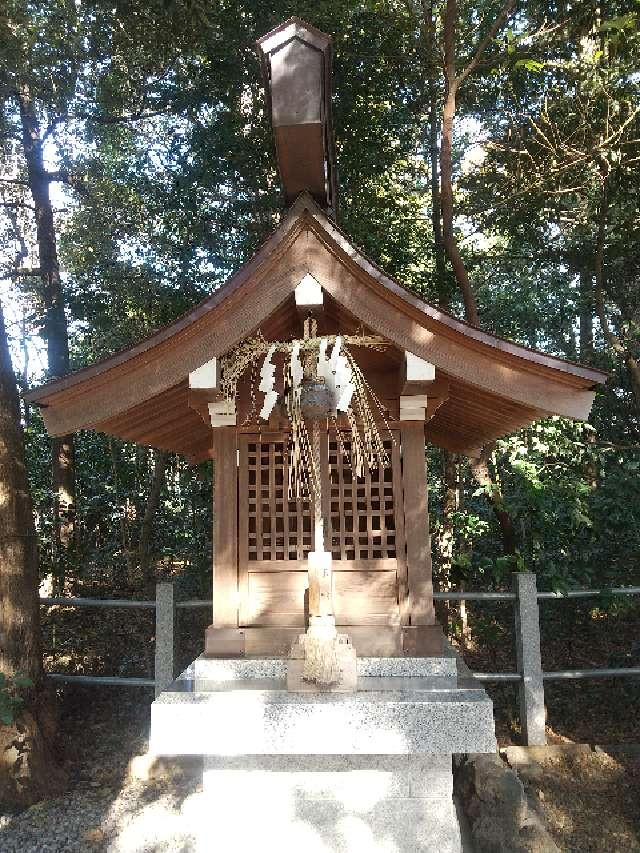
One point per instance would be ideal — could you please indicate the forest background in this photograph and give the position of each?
(489, 158)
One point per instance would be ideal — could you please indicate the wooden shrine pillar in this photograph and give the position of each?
(422, 635)
(224, 636)
(416, 521)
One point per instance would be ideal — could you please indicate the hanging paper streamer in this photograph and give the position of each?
(309, 361)
(342, 377)
(267, 383)
(297, 373)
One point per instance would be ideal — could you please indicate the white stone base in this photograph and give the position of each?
(367, 771)
(331, 804)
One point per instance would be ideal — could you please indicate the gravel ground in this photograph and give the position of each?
(103, 808)
(145, 818)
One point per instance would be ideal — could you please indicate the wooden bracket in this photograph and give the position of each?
(205, 396)
(422, 391)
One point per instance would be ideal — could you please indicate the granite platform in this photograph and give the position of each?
(369, 770)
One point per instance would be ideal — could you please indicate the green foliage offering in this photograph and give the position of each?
(10, 699)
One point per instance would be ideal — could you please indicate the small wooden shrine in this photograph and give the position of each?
(436, 379)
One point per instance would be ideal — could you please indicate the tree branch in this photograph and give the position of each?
(613, 340)
(503, 16)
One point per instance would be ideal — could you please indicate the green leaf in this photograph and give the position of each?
(530, 65)
(622, 22)
(22, 681)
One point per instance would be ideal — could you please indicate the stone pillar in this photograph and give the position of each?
(165, 613)
(532, 712)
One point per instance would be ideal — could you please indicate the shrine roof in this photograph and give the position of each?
(141, 393)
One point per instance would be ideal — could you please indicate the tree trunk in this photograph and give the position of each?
(122, 571)
(585, 316)
(446, 165)
(431, 63)
(55, 324)
(614, 341)
(446, 201)
(27, 769)
(449, 506)
(446, 537)
(453, 80)
(146, 530)
(25, 368)
(482, 475)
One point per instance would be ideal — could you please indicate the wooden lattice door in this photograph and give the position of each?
(365, 535)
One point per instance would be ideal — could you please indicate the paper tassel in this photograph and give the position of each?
(267, 380)
(296, 365)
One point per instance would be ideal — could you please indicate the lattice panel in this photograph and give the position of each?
(277, 529)
(362, 510)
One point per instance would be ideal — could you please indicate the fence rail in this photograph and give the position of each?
(530, 676)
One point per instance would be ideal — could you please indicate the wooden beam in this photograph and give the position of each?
(414, 481)
(225, 530)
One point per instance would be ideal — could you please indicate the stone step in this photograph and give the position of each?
(360, 781)
(267, 820)
(237, 669)
(258, 722)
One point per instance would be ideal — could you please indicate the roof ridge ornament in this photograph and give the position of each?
(296, 63)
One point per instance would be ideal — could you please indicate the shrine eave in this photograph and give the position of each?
(141, 393)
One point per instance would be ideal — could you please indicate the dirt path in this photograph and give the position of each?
(590, 799)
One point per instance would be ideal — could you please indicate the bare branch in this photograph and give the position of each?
(19, 273)
(503, 16)
(14, 205)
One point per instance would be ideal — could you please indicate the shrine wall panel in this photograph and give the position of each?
(365, 533)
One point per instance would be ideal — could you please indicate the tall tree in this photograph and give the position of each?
(41, 55)
(55, 328)
(27, 767)
(453, 81)
(454, 78)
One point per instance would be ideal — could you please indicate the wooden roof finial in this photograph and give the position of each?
(296, 65)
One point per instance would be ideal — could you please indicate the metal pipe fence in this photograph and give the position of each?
(530, 676)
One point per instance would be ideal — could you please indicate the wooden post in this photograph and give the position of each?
(225, 532)
(414, 481)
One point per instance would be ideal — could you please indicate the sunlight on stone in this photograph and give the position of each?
(141, 766)
(359, 836)
(222, 823)
(154, 821)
